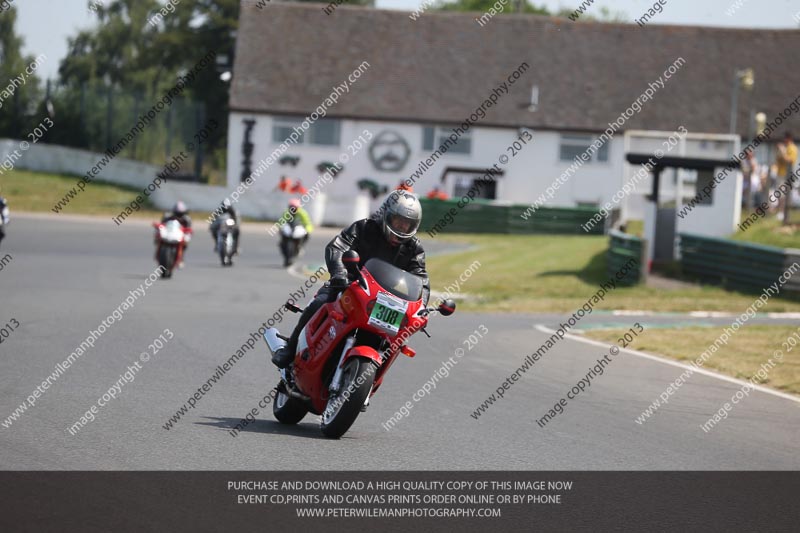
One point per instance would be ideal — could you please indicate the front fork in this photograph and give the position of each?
(336, 382)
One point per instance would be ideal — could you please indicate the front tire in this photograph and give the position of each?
(287, 410)
(343, 409)
(292, 252)
(226, 250)
(166, 258)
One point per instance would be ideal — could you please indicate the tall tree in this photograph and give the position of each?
(140, 47)
(483, 6)
(524, 6)
(20, 92)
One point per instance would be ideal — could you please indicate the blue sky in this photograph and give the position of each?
(46, 24)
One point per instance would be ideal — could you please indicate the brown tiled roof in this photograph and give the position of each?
(442, 66)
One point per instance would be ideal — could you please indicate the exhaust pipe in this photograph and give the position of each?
(273, 340)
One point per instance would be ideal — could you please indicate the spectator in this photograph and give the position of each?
(763, 188)
(751, 184)
(284, 185)
(298, 188)
(403, 186)
(437, 194)
(785, 160)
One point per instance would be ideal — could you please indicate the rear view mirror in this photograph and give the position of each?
(447, 307)
(350, 259)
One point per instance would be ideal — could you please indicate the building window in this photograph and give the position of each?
(573, 146)
(325, 132)
(481, 188)
(434, 137)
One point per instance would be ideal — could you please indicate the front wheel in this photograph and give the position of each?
(292, 251)
(288, 410)
(226, 250)
(166, 259)
(343, 408)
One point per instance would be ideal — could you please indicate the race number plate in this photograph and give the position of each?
(388, 313)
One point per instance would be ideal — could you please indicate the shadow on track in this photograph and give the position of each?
(306, 430)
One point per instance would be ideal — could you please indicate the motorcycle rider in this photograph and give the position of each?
(388, 234)
(3, 217)
(295, 215)
(181, 214)
(227, 208)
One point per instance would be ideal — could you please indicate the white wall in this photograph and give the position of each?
(63, 160)
(73, 161)
(527, 174)
(720, 218)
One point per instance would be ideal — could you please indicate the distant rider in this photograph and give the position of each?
(181, 214)
(294, 216)
(3, 217)
(227, 208)
(390, 236)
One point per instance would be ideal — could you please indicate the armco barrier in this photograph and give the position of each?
(483, 217)
(736, 264)
(621, 249)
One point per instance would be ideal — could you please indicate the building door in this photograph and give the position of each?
(664, 248)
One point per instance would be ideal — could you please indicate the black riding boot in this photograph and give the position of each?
(284, 356)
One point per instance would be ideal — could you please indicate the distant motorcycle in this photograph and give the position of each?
(226, 240)
(3, 218)
(171, 239)
(293, 239)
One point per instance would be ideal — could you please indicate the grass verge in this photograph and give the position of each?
(39, 192)
(557, 273)
(770, 231)
(741, 358)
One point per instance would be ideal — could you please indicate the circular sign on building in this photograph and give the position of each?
(389, 151)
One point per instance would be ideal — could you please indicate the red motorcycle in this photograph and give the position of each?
(347, 347)
(171, 239)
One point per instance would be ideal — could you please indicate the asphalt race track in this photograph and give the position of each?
(67, 274)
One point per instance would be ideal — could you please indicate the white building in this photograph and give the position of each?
(564, 82)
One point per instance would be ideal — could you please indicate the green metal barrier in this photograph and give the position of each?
(737, 265)
(622, 248)
(480, 216)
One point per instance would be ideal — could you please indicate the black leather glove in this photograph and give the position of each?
(334, 287)
(338, 283)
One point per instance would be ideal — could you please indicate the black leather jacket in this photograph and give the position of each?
(232, 212)
(366, 237)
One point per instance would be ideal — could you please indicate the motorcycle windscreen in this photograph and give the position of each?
(395, 280)
(172, 232)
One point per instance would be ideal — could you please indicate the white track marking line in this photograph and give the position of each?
(701, 314)
(666, 361)
(782, 315)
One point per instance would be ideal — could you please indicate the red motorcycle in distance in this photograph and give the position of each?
(171, 239)
(347, 347)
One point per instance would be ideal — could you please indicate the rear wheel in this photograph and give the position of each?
(287, 410)
(343, 408)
